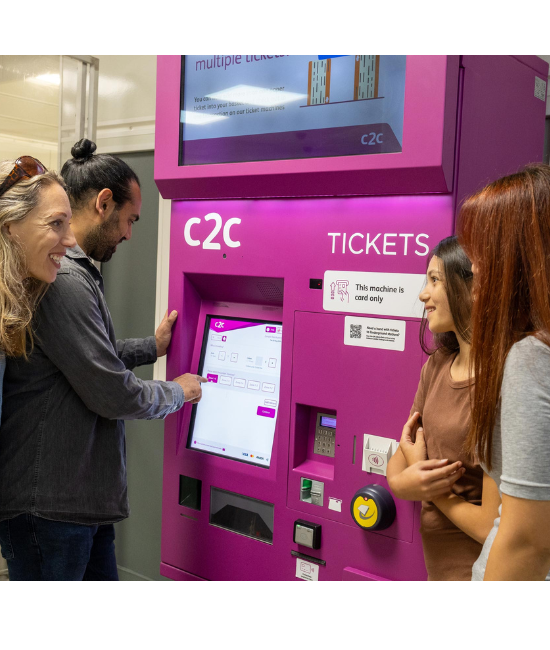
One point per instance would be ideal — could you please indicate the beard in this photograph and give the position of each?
(100, 243)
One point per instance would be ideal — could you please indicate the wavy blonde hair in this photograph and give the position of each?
(19, 294)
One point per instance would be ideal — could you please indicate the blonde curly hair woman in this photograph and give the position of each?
(35, 232)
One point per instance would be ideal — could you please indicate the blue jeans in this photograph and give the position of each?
(40, 549)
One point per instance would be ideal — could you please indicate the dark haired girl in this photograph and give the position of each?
(506, 231)
(435, 468)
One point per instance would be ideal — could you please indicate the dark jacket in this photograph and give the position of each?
(62, 445)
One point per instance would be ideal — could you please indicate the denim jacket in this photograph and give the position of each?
(62, 444)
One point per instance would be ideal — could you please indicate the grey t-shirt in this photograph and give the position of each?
(521, 438)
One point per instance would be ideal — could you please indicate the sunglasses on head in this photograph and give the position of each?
(25, 167)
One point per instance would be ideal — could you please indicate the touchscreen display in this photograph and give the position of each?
(237, 413)
(239, 108)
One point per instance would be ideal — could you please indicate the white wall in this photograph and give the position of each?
(126, 103)
(29, 107)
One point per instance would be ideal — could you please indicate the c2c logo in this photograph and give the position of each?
(375, 138)
(208, 242)
(218, 324)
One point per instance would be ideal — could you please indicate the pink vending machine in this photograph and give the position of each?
(307, 193)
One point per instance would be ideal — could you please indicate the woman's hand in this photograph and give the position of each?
(425, 480)
(411, 475)
(412, 442)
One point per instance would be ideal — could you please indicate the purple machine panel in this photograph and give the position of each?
(254, 260)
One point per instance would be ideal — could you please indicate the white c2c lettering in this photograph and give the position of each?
(187, 232)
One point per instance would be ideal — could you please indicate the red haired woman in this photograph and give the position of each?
(505, 229)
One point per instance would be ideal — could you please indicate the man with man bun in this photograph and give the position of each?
(64, 407)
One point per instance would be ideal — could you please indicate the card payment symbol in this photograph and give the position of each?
(305, 568)
(376, 460)
(341, 287)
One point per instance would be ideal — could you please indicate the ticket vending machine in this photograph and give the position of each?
(307, 193)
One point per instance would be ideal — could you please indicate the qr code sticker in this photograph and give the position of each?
(355, 331)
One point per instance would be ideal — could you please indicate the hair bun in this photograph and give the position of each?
(83, 149)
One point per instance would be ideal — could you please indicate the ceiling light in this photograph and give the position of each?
(192, 117)
(48, 79)
(256, 96)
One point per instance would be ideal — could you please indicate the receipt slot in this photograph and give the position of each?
(373, 508)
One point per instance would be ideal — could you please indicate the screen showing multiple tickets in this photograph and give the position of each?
(237, 413)
(245, 107)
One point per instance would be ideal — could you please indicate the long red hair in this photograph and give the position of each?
(505, 230)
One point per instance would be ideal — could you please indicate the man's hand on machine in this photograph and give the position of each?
(191, 385)
(163, 335)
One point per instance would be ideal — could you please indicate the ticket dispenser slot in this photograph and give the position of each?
(312, 491)
(190, 492)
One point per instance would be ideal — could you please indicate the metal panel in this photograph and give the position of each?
(77, 102)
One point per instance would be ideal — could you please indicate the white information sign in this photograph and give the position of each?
(384, 294)
(378, 333)
(306, 570)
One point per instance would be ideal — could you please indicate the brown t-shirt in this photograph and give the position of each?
(444, 405)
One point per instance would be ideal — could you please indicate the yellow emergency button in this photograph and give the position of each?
(373, 508)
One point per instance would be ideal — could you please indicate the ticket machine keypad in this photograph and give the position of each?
(324, 437)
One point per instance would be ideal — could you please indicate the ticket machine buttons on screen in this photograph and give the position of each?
(373, 508)
(232, 412)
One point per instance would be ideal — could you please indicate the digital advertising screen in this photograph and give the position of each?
(237, 413)
(240, 108)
